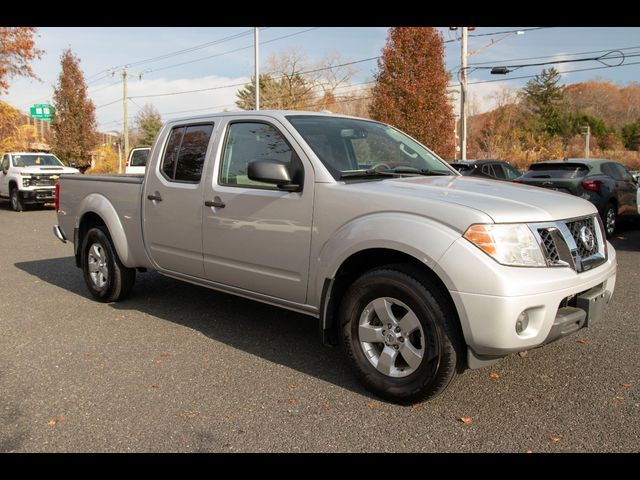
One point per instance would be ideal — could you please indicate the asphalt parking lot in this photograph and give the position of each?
(181, 368)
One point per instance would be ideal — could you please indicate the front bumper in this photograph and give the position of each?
(40, 195)
(558, 301)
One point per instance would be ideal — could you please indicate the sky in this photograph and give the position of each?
(222, 56)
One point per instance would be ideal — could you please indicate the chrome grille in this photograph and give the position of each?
(44, 180)
(575, 227)
(549, 246)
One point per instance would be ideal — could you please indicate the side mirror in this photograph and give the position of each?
(274, 172)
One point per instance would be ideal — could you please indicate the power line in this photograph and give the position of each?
(110, 103)
(244, 83)
(507, 31)
(552, 55)
(600, 59)
(230, 51)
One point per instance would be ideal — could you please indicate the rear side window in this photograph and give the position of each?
(487, 169)
(557, 170)
(185, 152)
(139, 158)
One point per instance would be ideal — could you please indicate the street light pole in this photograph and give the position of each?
(463, 96)
(257, 66)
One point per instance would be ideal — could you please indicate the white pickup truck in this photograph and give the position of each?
(28, 178)
(417, 271)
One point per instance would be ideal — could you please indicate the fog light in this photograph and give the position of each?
(522, 322)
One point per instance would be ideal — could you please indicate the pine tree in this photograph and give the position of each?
(545, 98)
(410, 92)
(74, 123)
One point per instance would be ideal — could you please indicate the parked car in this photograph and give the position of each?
(415, 270)
(494, 169)
(605, 183)
(28, 178)
(137, 161)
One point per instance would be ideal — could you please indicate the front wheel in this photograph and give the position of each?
(107, 279)
(16, 201)
(610, 219)
(401, 334)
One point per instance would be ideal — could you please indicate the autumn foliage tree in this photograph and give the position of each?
(148, 122)
(17, 51)
(74, 124)
(410, 92)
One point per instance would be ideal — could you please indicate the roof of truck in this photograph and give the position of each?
(270, 113)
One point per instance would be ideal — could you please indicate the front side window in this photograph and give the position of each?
(250, 141)
(510, 172)
(5, 163)
(347, 146)
(623, 173)
(185, 152)
(36, 160)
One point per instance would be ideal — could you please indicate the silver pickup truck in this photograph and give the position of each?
(416, 271)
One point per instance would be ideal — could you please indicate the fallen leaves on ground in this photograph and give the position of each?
(582, 341)
(494, 375)
(523, 353)
(55, 421)
(371, 405)
(555, 438)
(155, 385)
(325, 405)
(191, 413)
(165, 354)
(417, 407)
(625, 385)
(466, 420)
(292, 401)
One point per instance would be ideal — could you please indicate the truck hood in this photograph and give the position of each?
(504, 202)
(45, 170)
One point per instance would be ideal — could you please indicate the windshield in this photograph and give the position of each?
(139, 158)
(36, 160)
(347, 146)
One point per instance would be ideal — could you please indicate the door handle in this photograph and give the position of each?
(155, 197)
(215, 203)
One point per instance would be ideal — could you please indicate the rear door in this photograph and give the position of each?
(257, 237)
(172, 200)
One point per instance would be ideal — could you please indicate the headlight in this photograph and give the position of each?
(26, 180)
(508, 244)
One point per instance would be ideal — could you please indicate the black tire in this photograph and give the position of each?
(16, 202)
(610, 219)
(444, 353)
(120, 279)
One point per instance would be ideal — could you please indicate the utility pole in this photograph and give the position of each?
(126, 120)
(587, 135)
(463, 96)
(257, 66)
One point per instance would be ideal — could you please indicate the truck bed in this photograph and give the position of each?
(123, 192)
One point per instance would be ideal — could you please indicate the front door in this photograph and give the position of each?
(255, 236)
(4, 176)
(173, 199)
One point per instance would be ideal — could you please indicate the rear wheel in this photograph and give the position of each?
(610, 219)
(400, 334)
(16, 201)
(107, 279)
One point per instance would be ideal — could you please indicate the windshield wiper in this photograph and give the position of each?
(393, 172)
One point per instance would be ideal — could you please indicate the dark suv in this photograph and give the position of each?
(495, 169)
(605, 183)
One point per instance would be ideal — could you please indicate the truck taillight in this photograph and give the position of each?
(592, 185)
(57, 196)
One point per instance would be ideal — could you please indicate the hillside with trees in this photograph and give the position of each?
(548, 120)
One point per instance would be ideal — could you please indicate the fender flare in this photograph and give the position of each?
(101, 206)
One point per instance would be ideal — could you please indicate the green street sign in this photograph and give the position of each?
(43, 111)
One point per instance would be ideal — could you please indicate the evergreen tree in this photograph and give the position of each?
(148, 122)
(545, 99)
(74, 123)
(410, 92)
